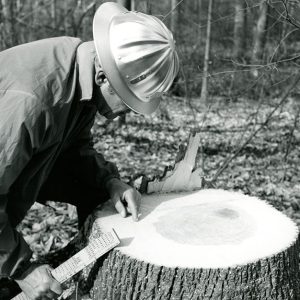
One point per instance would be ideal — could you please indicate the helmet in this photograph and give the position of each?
(137, 54)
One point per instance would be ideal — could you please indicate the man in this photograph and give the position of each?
(50, 91)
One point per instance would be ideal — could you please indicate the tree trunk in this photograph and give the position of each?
(34, 20)
(125, 3)
(148, 7)
(174, 17)
(53, 14)
(10, 37)
(2, 36)
(66, 17)
(86, 22)
(260, 34)
(133, 6)
(199, 32)
(240, 29)
(204, 90)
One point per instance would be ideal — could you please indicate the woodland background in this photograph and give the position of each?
(237, 85)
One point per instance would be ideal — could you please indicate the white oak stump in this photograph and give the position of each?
(208, 244)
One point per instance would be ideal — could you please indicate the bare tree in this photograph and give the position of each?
(133, 6)
(66, 17)
(32, 34)
(204, 91)
(174, 16)
(9, 34)
(289, 25)
(260, 33)
(2, 45)
(86, 24)
(148, 7)
(291, 9)
(125, 3)
(53, 14)
(199, 33)
(240, 28)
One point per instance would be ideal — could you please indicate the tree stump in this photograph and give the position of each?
(209, 244)
(203, 244)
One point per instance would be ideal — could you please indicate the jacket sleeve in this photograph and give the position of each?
(22, 129)
(89, 165)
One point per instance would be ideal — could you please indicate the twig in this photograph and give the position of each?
(289, 143)
(35, 27)
(84, 13)
(69, 12)
(48, 3)
(171, 11)
(186, 90)
(287, 15)
(205, 116)
(249, 120)
(285, 37)
(223, 18)
(284, 97)
(266, 65)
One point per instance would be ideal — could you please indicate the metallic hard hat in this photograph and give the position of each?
(137, 54)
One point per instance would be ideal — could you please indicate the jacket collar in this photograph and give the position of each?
(85, 60)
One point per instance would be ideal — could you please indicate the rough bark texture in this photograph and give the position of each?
(277, 277)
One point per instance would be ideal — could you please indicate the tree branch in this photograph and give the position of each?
(288, 18)
(284, 97)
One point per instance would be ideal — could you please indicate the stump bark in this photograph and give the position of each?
(209, 244)
(204, 244)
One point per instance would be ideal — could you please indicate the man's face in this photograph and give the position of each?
(114, 105)
(111, 105)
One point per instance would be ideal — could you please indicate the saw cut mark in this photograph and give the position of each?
(206, 224)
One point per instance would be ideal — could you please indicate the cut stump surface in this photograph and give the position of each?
(208, 244)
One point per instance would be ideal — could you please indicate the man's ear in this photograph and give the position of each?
(99, 74)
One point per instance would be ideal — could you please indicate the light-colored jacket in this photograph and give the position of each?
(42, 115)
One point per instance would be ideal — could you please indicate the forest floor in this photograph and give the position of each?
(266, 167)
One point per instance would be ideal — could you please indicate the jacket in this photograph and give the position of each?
(46, 109)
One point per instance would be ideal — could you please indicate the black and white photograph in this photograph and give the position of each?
(149, 150)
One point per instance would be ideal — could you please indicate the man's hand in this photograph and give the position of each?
(125, 198)
(38, 284)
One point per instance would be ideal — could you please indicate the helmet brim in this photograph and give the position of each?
(101, 28)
